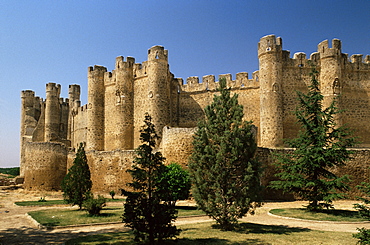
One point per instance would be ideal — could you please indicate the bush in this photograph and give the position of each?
(42, 199)
(175, 183)
(112, 193)
(363, 236)
(94, 205)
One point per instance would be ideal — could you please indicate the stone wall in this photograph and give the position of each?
(177, 145)
(46, 165)
(357, 169)
(108, 169)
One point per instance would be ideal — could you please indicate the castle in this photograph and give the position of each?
(109, 123)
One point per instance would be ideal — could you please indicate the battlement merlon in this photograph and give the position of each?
(96, 69)
(53, 90)
(28, 98)
(121, 63)
(157, 53)
(326, 52)
(270, 44)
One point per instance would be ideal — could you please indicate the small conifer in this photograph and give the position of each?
(76, 185)
(321, 145)
(224, 172)
(146, 211)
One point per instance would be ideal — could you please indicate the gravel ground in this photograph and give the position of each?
(17, 228)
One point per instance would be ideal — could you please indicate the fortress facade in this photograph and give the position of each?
(109, 124)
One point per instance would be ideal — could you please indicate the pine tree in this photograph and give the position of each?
(146, 210)
(320, 146)
(224, 172)
(76, 185)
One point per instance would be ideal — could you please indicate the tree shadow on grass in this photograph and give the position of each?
(341, 213)
(187, 207)
(27, 235)
(268, 229)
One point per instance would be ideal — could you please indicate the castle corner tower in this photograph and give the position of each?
(270, 79)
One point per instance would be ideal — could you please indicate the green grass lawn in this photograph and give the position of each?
(63, 217)
(57, 202)
(248, 233)
(325, 215)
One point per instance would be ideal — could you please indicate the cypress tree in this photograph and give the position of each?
(224, 172)
(76, 185)
(320, 146)
(147, 211)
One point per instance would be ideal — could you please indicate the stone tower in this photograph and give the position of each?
(119, 105)
(30, 113)
(52, 112)
(74, 93)
(152, 93)
(270, 79)
(95, 109)
(330, 76)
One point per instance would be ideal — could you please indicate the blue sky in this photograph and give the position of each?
(56, 41)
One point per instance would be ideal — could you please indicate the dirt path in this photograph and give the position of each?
(17, 228)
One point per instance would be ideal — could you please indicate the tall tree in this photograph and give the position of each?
(320, 146)
(76, 185)
(146, 209)
(224, 172)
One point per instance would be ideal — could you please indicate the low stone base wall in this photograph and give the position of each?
(357, 169)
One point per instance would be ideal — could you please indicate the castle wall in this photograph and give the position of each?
(108, 169)
(195, 96)
(357, 169)
(46, 165)
(356, 98)
(176, 145)
(79, 126)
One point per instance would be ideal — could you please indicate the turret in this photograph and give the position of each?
(27, 110)
(158, 88)
(330, 77)
(52, 112)
(74, 102)
(124, 104)
(95, 113)
(270, 78)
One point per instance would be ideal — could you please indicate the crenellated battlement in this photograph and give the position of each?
(210, 84)
(121, 63)
(325, 51)
(157, 53)
(269, 44)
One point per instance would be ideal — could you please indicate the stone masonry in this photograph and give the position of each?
(109, 123)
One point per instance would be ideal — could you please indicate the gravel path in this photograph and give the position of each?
(17, 228)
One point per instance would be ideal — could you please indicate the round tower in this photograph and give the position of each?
(27, 110)
(95, 108)
(74, 92)
(270, 79)
(52, 112)
(27, 124)
(124, 103)
(158, 88)
(330, 76)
